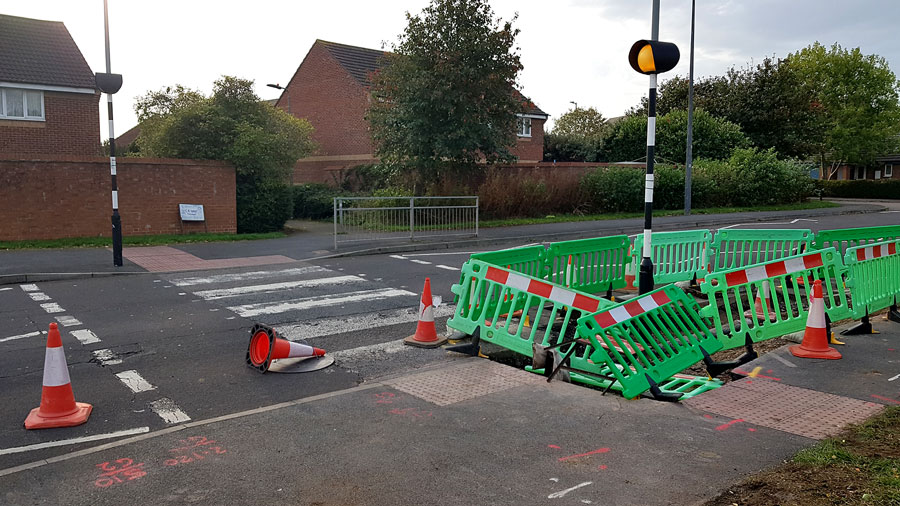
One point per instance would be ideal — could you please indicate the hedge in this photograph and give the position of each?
(863, 189)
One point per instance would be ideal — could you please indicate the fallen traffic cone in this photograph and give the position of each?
(58, 407)
(426, 334)
(629, 274)
(815, 339)
(265, 346)
(762, 303)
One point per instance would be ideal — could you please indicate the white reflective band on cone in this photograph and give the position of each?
(426, 313)
(56, 373)
(300, 350)
(816, 314)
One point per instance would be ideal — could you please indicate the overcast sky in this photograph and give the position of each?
(572, 50)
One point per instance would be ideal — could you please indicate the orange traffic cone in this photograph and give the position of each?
(58, 407)
(763, 301)
(815, 339)
(629, 274)
(426, 334)
(265, 346)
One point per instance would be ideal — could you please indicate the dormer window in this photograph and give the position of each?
(16, 103)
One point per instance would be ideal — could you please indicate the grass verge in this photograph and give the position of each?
(860, 466)
(140, 240)
(563, 218)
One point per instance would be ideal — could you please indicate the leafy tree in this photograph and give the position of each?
(445, 98)
(858, 96)
(714, 138)
(576, 136)
(580, 123)
(232, 124)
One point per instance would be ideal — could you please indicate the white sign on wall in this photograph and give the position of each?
(191, 212)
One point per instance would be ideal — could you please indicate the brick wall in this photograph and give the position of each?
(531, 149)
(57, 197)
(71, 126)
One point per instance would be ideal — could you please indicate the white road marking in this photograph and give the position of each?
(85, 336)
(446, 267)
(21, 336)
(135, 381)
(75, 441)
(330, 326)
(273, 287)
(562, 493)
(68, 321)
(442, 254)
(169, 411)
(38, 296)
(420, 262)
(243, 276)
(398, 257)
(29, 288)
(248, 310)
(783, 360)
(106, 357)
(895, 377)
(5, 289)
(52, 307)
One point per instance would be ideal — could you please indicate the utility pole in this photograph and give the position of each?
(689, 153)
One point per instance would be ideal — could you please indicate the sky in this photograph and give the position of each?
(571, 50)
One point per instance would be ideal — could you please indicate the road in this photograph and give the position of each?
(155, 350)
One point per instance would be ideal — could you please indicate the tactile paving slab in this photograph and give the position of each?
(796, 410)
(167, 259)
(463, 382)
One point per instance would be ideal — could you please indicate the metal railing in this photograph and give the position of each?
(403, 218)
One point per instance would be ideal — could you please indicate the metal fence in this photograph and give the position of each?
(403, 218)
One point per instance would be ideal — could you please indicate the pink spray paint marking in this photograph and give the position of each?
(708, 416)
(193, 449)
(887, 399)
(599, 450)
(554, 447)
(602, 467)
(729, 424)
(119, 471)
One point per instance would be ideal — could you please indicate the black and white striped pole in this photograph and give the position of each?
(651, 57)
(110, 83)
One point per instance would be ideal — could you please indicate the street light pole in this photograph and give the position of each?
(689, 153)
(574, 103)
(645, 282)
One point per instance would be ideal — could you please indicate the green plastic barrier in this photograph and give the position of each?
(844, 238)
(732, 295)
(677, 256)
(687, 386)
(514, 310)
(527, 260)
(643, 342)
(588, 265)
(874, 276)
(736, 248)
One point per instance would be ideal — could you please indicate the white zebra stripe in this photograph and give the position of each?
(248, 310)
(244, 276)
(274, 287)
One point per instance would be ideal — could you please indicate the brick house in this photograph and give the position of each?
(330, 89)
(48, 98)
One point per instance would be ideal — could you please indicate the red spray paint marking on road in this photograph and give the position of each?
(554, 447)
(708, 416)
(599, 450)
(124, 467)
(888, 399)
(193, 449)
(602, 467)
(751, 429)
(729, 424)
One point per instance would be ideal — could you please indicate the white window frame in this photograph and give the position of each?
(523, 126)
(25, 116)
(888, 170)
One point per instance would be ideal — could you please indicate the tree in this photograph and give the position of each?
(714, 138)
(261, 142)
(576, 136)
(445, 99)
(580, 123)
(858, 98)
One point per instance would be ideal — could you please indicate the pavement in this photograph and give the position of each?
(312, 241)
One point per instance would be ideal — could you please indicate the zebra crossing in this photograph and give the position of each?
(309, 302)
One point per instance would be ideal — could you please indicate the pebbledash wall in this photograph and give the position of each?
(45, 197)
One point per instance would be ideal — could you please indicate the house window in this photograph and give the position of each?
(888, 170)
(860, 173)
(21, 104)
(524, 127)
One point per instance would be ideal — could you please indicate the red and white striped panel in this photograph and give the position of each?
(773, 269)
(882, 250)
(631, 309)
(549, 291)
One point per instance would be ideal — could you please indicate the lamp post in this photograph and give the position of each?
(574, 103)
(689, 154)
(279, 87)
(110, 83)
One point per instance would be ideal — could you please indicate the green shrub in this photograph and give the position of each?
(614, 189)
(762, 179)
(314, 201)
(863, 189)
(263, 206)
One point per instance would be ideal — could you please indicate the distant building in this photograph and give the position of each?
(331, 90)
(48, 98)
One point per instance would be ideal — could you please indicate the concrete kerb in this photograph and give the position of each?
(12, 279)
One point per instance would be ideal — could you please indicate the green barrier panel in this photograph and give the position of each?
(844, 238)
(874, 276)
(513, 310)
(677, 256)
(736, 248)
(527, 260)
(588, 265)
(643, 342)
(732, 296)
(686, 385)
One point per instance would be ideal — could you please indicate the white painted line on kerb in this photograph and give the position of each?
(5, 289)
(106, 357)
(420, 262)
(133, 380)
(22, 336)
(52, 307)
(75, 441)
(68, 321)
(38, 296)
(446, 267)
(895, 377)
(311, 329)
(85, 336)
(248, 310)
(169, 411)
(244, 276)
(29, 288)
(274, 287)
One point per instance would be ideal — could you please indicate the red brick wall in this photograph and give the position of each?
(59, 197)
(71, 126)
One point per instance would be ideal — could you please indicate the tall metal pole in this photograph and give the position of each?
(645, 282)
(689, 153)
(116, 219)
